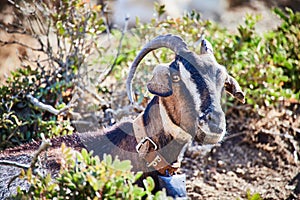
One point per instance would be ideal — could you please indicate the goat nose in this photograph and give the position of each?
(212, 117)
(215, 116)
(216, 121)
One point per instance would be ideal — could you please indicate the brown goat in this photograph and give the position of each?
(186, 105)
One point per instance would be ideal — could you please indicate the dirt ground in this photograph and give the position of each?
(260, 154)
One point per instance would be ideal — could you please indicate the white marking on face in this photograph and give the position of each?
(176, 131)
(210, 137)
(191, 85)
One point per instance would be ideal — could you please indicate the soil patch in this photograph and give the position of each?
(260, 155)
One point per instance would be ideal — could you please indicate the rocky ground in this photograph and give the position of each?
(260, 155)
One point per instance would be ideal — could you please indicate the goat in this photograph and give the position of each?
(186, 105)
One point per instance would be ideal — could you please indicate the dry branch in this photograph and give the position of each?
(14, 164)
(46, 107)
(108, 71)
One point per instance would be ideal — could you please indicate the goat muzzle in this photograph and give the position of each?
(211, 128)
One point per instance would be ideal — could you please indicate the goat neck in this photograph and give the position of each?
(163, 134)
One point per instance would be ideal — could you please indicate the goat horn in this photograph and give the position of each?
(206, 47)
(173, 42)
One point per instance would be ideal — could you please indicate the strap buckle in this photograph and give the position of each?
(143, 141)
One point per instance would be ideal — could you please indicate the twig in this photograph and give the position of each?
(41, 105)
(234, 135)
(155, 56)
(118, 52)
(14, 164)
(287, 136)
(5, 28)
(21, 44)
(105, 12)
(81, 122)
(46, 107)
(45, 144)
(21, 9)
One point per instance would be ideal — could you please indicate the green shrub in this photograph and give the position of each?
(247, 58)
(88, 178)
(284, 48)
(52, 80)
(267, 66)
(20, 120)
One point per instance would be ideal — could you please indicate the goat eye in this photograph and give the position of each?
(175, 78)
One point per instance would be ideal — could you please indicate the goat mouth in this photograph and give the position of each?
(207, 137)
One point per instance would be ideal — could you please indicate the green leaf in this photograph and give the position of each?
(122, 165)
(255, 196)
(107, 159)
(60, 28)
(138, 176)
(138, 192)
(160, 9)
(85, 156)
(120, 59)
(149, 184)
(280, 13)
(93, 182)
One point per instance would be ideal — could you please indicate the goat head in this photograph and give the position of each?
(190, 88)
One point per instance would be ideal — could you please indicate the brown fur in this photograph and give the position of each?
(120, 141)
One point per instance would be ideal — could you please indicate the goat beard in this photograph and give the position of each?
(199, 137)
(202, 138)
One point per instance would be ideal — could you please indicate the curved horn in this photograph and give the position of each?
(173, 42)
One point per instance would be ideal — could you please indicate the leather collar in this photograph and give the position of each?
(147, 149)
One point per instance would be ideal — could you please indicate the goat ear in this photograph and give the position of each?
(233, 87)
(160, 84)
